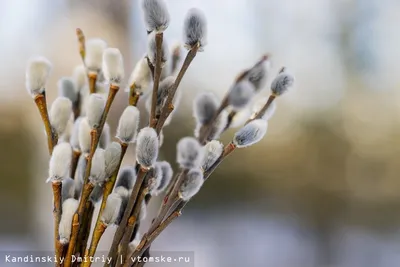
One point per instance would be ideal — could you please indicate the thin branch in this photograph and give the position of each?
(157, 76)
(52, 137)
(262, 111)
(168, 106)
(148, 239)
(129, 207)
(108, 187)
(95, 137)
(57, 188)
(74, 162)
(74, 234)
(133, 219)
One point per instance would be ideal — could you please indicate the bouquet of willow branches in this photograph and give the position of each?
(85, 166)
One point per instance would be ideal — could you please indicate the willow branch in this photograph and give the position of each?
(168, 106)
(157, 76)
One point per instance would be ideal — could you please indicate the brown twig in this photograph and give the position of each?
(97, 234)
(108, 187)
(156, 82)
(74, 162)
(95, 136)
(168, 106)
(206, 129)
(74, 234)
(81, 42)
(148, 239)
(57, 188)
(84, 230)
(41, 104)
(130, 227)
(169, 200)
(134, 95)
(92, 76)
(262, 111)
(129, 207)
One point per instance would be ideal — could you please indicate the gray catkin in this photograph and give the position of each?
(241, 94)
(112, 155)
(155, 14)
(195, 29)
(67, 189)
(60, 113)
(205, 106)
(251, 133)
(282, 82)
(37, 74)
(213, 150)
(189, 153)
(128, 125)
(126, 177)
(105, 136)
(191, 184)
(94, 110)
(147, 147)
(166, 177)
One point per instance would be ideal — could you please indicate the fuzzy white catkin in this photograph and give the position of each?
(195, 29)
(60, 162)
(37, 73)
(124, 194)
(94, 54)
(189, 153)
(143, 211)
(258, 106)
(147, 147)
(113, 66)
(97, 172)
(66, 136)
(155, 14)
(112, 155)
(282, 82)
(134, 243)
(80, 77)
(84, 135)
(74, 140)
(105, 136)
(80, 169)
(67, 88)
(126, 177)
(213, 150)
(60, 113)
(96, 194)
(258, 74)
(191, 184)
(69, 207)
(152, 48)
(140, 76)
(251, 133)
(128, 125)
(218, 127)
(67, 189)
(204, 107)
(156, 176)
(94, 110)
(167, 173)
(241, 94)
(241, 117)
(111, 210)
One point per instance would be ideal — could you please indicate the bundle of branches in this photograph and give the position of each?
(84, 166)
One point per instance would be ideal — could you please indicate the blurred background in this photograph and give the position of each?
(322, 189)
